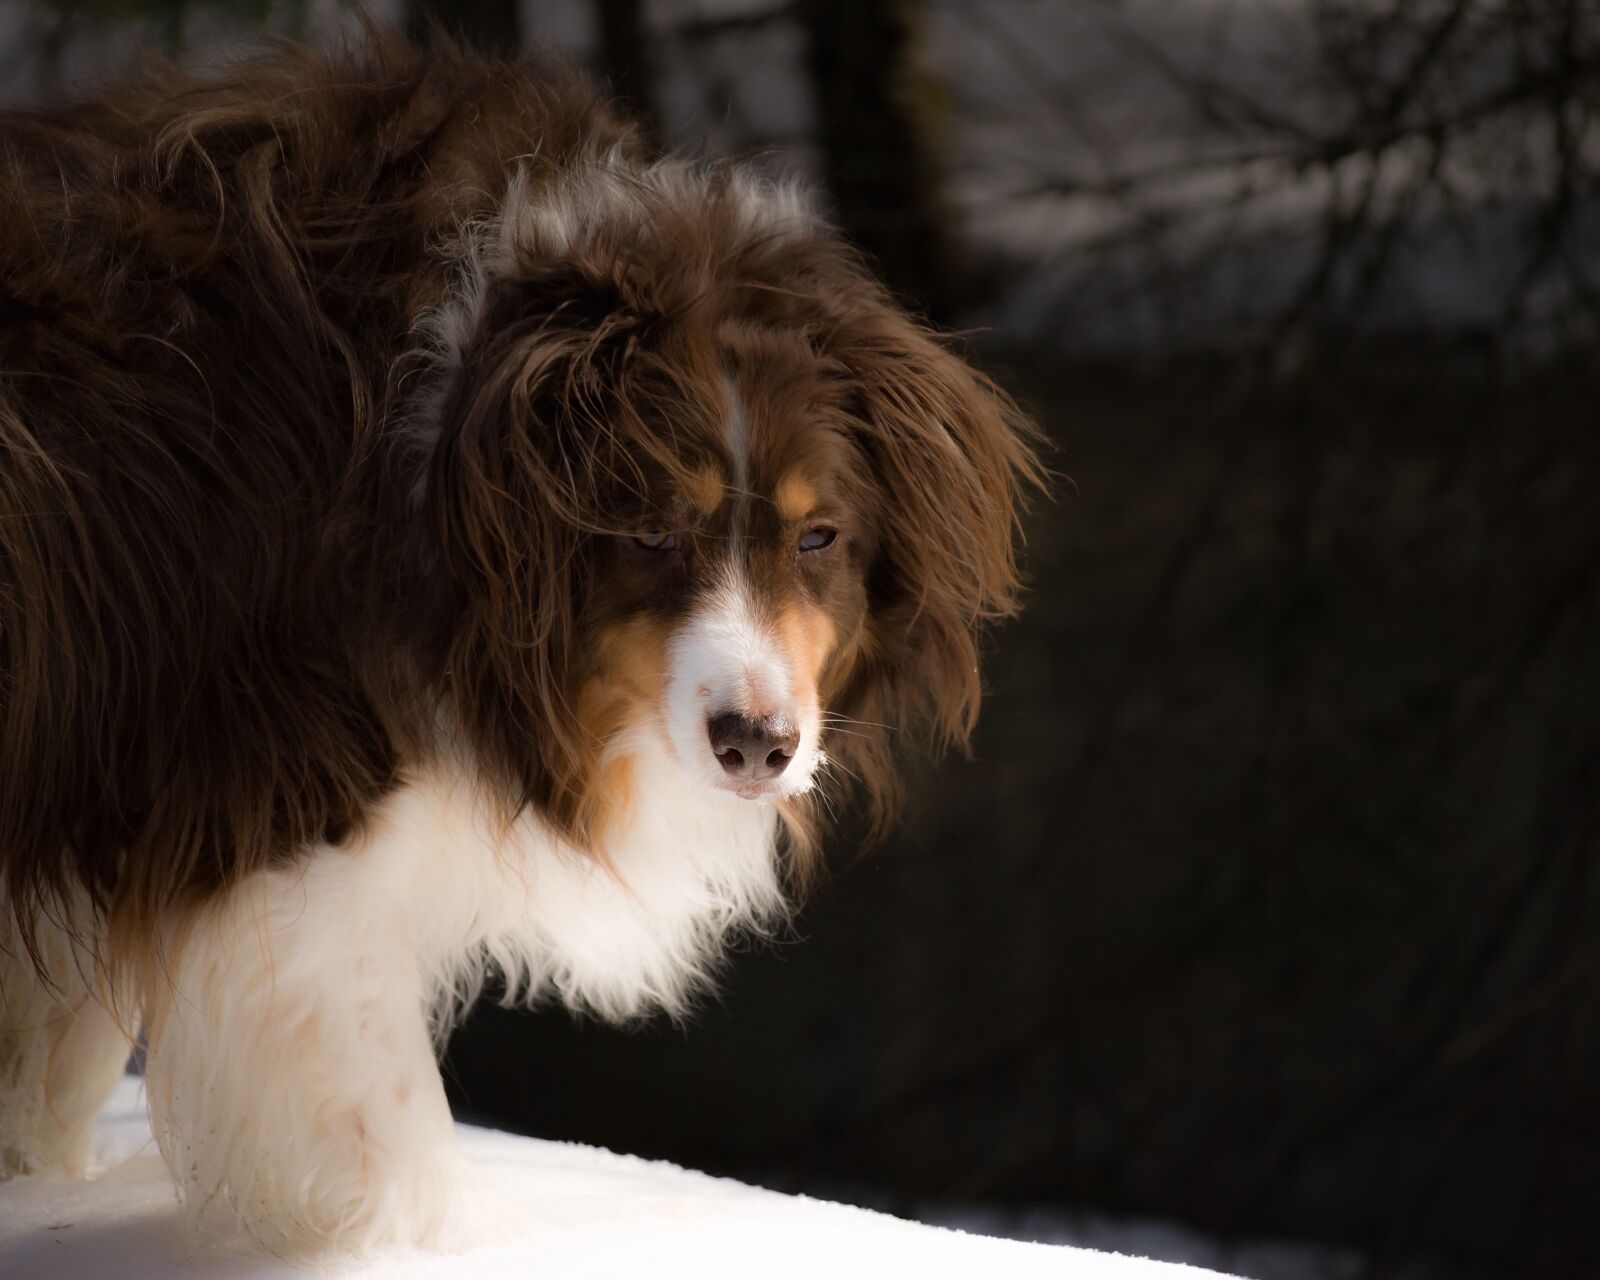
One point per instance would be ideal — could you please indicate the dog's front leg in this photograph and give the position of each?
(292, 1080)
(63, 1042)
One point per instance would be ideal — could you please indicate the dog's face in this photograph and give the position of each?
(732, 606)
(708, 495)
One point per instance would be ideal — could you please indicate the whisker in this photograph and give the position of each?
(834, 717)
(830, 762)
(827, 804)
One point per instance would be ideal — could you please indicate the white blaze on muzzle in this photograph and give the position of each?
(730, 659)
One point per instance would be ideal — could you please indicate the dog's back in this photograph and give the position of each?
(202, 292)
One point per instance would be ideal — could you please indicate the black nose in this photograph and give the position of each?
(752, 750)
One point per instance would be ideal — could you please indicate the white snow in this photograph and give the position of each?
(597, 1214)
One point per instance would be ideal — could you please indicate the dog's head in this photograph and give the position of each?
(703, 492)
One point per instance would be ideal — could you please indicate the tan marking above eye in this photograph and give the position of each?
(707, 487)
(795, 497)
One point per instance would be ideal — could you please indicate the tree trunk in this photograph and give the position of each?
(625, 60)
(875, 121)
(487, 26)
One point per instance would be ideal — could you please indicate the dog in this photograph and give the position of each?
(441, 541)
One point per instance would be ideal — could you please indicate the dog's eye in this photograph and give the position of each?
(657, 539)
(817, 539)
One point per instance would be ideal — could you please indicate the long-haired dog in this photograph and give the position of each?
(438, 539)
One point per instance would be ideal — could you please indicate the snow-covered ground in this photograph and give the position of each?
(591, 1215)
(1158, 1238)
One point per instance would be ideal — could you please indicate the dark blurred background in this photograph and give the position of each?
(1264, 929)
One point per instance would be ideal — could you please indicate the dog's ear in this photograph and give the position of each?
(528, 451)
(952, 458)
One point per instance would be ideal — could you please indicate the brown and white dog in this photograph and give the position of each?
(438, 539)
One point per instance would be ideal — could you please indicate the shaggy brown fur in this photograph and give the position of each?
(257, 545)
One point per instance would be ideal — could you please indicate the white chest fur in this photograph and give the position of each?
(639, 929)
